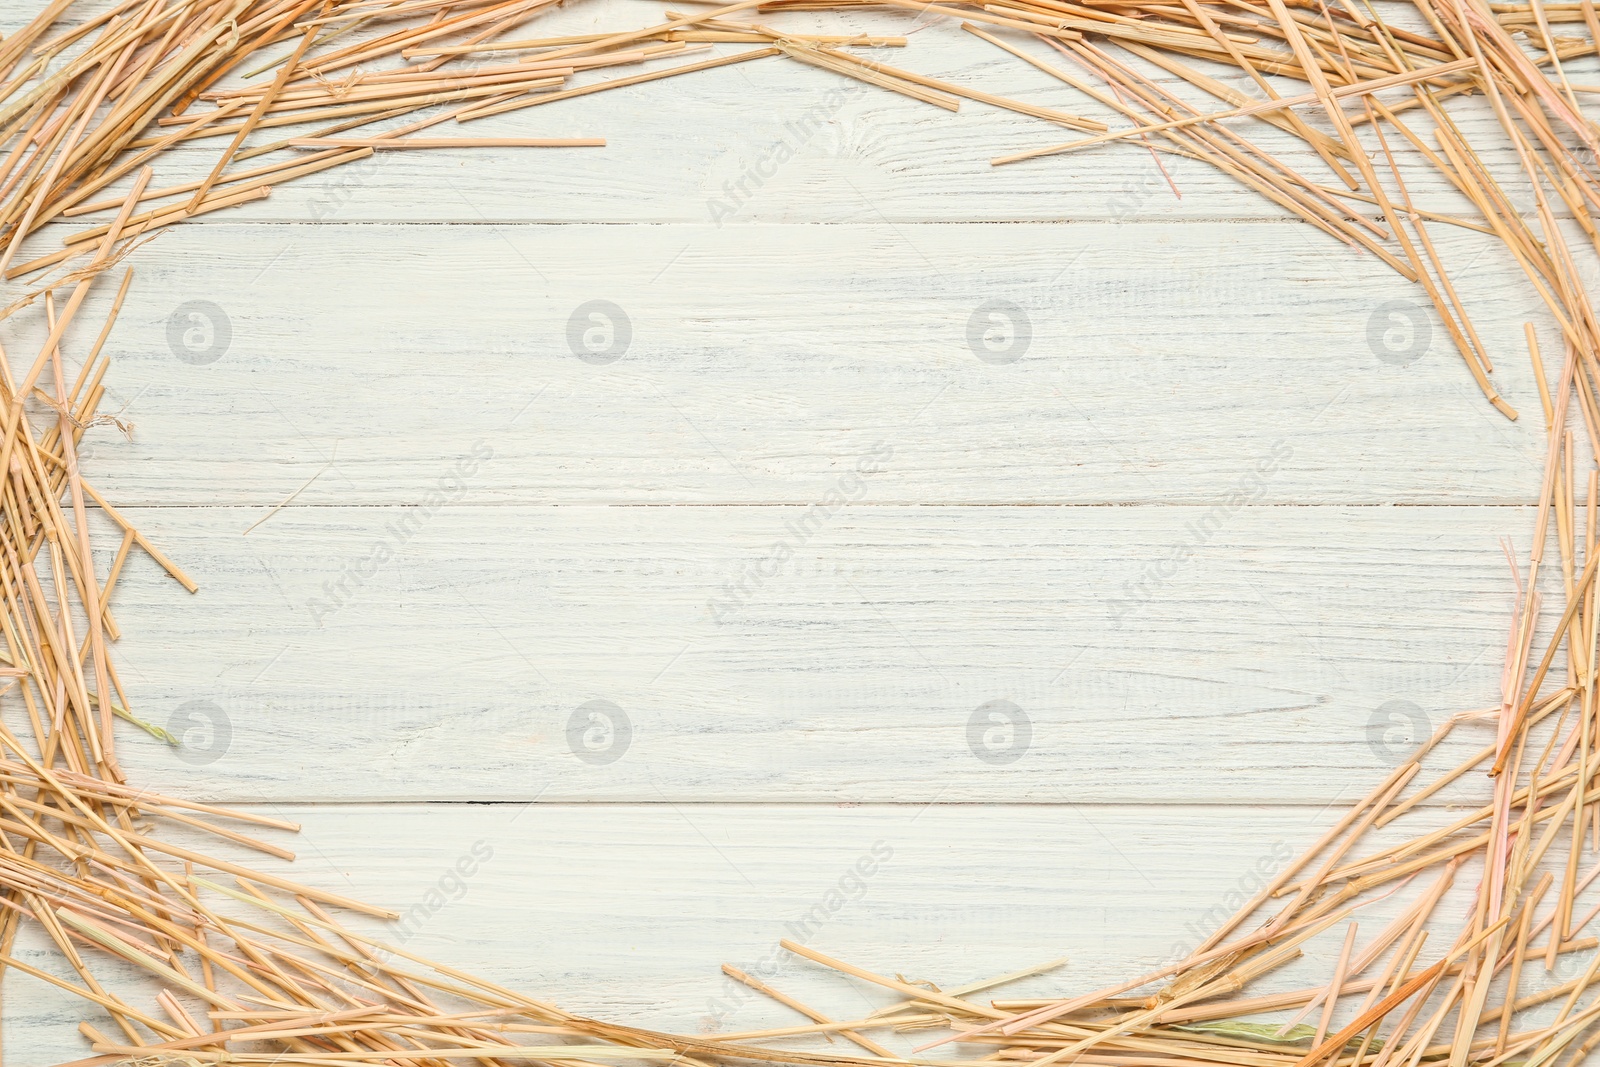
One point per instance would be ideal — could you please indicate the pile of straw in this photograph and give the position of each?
(247, 967)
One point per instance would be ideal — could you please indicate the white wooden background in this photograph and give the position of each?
(383, 322)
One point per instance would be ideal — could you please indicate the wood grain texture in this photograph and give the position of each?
(1161, 363)
(627, 912)
(383, 653)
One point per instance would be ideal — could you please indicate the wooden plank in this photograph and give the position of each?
(1152, 364)
(627, 912)
(852, 653)
(778, 141)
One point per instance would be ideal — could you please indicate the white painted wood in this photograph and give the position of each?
(1164, 362)
(1176, 344)
(627, 912)
(1135, 640)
